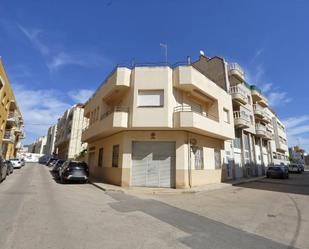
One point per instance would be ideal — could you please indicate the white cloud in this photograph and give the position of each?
(40, 109)
(298, 131)
(81, 95)
(33, 36)
(278, 98)
(56, 59)
(295, 121)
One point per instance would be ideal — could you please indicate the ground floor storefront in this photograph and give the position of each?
(172, 159)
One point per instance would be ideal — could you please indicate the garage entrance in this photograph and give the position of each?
(153, 164)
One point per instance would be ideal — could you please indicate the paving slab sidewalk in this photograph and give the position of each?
(146, 190)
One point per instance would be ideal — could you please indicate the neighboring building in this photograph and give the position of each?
(69, 131)
(260, 137)
(50, 142)
(11, 121)
(297, 154)
(160, 126)
(38, 146)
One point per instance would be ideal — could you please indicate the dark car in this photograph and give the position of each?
(57, 166)
(50, 161)
(277, 172)
(74, 171)
(3, 169)
(10, 167)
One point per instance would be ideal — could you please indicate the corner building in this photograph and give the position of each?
(161, 126)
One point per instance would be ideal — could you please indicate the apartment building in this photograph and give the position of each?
(160, 126)
(297, 154)
(50, 142)
(68, 143)
(39, 145)
(260, 137)
(11, 121)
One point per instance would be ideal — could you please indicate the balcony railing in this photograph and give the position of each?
(9, 136)
(260, 130)
(238, 94)
(258, 110)
(190, 109)
(12, 117)
(115, 109)
(241, 119)
(232, 67)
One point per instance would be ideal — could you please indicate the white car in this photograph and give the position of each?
(17, 163)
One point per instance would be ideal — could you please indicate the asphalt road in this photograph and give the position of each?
(38, 212)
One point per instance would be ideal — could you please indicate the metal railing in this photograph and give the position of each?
(235, 66)
(190, 109)
(9, 135)
(258, 108)
(241, 115)
(237, 89)
(260, 127)
(115, 109)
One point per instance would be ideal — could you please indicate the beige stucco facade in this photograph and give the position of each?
(153, 104)
(11, 121)
(68, 143)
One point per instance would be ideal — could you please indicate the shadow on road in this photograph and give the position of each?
(296, 184)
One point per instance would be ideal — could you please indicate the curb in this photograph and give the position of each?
(248, 180)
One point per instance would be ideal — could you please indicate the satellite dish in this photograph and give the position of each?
(202, 52)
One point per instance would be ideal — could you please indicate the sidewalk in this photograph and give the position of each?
(146, 190)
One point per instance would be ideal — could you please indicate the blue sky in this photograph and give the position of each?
(57, 52)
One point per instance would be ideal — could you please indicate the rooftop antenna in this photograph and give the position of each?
(164, 46)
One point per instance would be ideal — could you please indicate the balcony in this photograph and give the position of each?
(266, 118)
(12, 117)
(201, 122)
(193, 82)
(258, 97)
(236, 71)
(238, 95)
(110, 122)
(241, 119)
(9, 136)
(269, 135)
(258, 110)
(260, 130)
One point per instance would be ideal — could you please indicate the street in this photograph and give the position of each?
(38, 212)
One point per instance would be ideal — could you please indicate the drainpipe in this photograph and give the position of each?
(189, 161)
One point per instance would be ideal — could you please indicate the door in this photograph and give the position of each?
(153, 164)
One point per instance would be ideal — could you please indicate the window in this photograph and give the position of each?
(226, 116)
(237, 143)
(150, 98)
(100, 159)
(115, 156)
(217, 159)
(198, 157)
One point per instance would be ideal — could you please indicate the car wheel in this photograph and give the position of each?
(267, 175)
(62, 180)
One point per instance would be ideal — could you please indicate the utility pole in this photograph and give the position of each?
(164, 46)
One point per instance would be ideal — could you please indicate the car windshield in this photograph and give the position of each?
(78, 164)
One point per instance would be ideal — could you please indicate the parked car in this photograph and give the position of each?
(277, 172)
(3, 170)
(50, 161)
(17, 163)
(57, 166)
(22, 162)
(295, 168)
(74, 171)
(302, 167)
(10, 167)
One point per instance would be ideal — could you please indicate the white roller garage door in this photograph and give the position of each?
(153, 164)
